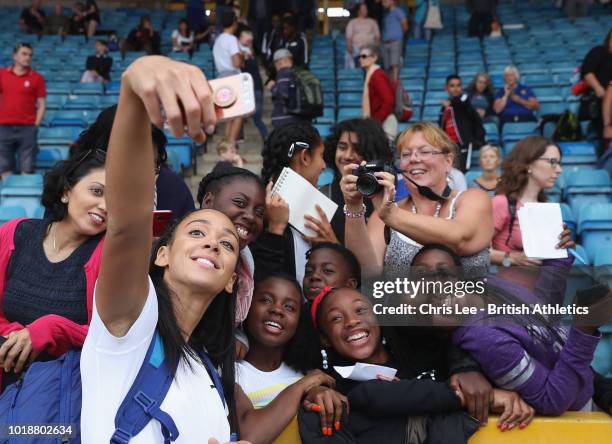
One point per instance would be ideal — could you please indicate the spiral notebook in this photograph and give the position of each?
(302, 197)
(541, 224)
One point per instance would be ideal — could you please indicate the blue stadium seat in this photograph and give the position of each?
(491, 131)
(595, 228)
(471, 175)
(587, 186)
(48, 156)
(95, 89)
(23, 181)
(55, 102)
(350, 99)
(326, 177)
(184, 151)
(348, 113)
(39, 213)
(435, 97)
(11, 212)
(324, 130)
(602, 359)
(514, 131)
(26, 197)
(568, 217)
(68, 118)
(113, 87)
(59, 87)
(350, 86)
(328, 116)
(82, 103)
(58, 136)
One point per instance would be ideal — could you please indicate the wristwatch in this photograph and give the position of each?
(506, 261)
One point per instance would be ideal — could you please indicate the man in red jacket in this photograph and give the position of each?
(22, 107)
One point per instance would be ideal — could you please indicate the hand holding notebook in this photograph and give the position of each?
(302, 199)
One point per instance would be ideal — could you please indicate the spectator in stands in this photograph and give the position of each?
(295, 41)
(228, 61)
(351, 142)
(91, 17)
(432, 213)
(596, 71)
(142, 38)
(227, 152)
(533, 165)
(98, 66)
(77, 21)
(576, 8)
(140, 292)
(490, 158)
(394, 27)
(32, 19)
(251, 66)
(22, 108)
(272, 39)
(183, 38)
(58, 23)
(297, 146)
(482, 13)
(360, 31)
(515, 102)
(49, 267)
(378, 100)
(460, 121)
(606, 116)
(482, 97)
(281, 89)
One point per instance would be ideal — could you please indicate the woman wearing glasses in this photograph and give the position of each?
(378, 100)
(48, 267)
(533, 165)
(432, 214)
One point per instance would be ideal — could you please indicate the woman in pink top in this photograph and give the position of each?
(533, 165)
(360, 31)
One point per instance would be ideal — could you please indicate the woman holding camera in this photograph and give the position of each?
(351, 142)
(432, 214)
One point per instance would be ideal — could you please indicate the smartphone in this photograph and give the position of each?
(233, 96)
(161, 220)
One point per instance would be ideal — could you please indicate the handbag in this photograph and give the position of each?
(433, 20)
(590, 106)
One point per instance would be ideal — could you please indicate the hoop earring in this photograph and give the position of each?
(324, 359)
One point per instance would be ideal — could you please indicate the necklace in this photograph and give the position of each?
(436, 213)
(53, 237)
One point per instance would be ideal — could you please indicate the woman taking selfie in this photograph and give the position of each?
(184, 295)
(432, 213)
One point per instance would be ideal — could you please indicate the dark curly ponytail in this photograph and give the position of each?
(276, 147)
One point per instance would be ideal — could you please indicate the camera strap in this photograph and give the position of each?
(429, 193)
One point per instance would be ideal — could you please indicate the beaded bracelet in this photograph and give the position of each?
(354, 214)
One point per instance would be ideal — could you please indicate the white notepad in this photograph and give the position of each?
(302, 197)
(541, 224)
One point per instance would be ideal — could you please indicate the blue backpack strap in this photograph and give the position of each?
(214, 374)
(143, 400)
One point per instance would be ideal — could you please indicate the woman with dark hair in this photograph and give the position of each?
(533, 165)
(297, 146)
(182, 38)
(182, 293)
(49, 266)
(547, 364)
(277, 373)
(351, 142)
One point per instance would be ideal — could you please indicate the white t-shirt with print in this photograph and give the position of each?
(181, 39)
(262, 387)
(109, 366)
(226, 45)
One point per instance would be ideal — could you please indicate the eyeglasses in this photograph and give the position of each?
(364, 56)
(422, 153)
(297, 146)
(551, 160)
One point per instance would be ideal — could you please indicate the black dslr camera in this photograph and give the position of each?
(367, 182)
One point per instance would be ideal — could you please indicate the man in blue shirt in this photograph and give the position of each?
(515, 102)
(395, 26)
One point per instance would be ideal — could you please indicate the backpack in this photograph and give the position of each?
(50, 393)
(403, 102)
(567, 128)
(305, 97)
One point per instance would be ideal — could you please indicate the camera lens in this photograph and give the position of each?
(367, 184)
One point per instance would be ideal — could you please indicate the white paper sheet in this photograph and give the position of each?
(365, 372)
(541, 224)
